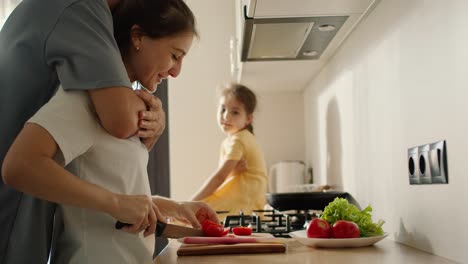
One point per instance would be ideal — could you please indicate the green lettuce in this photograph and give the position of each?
(340, 209)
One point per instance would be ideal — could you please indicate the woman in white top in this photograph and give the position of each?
(111, 172)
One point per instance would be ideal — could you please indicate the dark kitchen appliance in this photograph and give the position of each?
(262, 221)
(305, 200)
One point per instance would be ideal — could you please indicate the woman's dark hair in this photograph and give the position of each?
(156, 18)
(244, 95)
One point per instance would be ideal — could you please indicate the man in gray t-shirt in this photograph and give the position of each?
(44, 43)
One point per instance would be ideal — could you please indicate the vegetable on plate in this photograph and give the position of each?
(345, 229)
(340, 209)
(318, 228)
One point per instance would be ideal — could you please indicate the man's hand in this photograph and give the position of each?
(151, 122)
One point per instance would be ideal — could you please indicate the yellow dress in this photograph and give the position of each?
(245, 191)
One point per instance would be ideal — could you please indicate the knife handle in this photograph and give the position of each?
(159, 227)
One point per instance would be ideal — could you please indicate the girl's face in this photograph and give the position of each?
(232, 116)
(152, 60)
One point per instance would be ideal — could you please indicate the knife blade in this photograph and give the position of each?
(169, 230)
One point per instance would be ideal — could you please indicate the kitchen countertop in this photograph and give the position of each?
(385, 251)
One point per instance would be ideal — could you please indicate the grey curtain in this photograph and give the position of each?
(158, 163)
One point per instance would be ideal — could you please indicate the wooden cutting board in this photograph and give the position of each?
(242, 248)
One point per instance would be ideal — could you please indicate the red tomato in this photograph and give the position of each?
(345, 229)
(212, 229)
(318, 228)
(242, 231)
(207, 223)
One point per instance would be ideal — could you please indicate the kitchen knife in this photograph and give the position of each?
(169, 230)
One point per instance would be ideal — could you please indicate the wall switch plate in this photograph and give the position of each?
(413, 165)
(438, 162)
(427, 164)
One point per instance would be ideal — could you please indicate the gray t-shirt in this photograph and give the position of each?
(44, 43)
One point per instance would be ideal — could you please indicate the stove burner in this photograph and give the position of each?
(271, 221)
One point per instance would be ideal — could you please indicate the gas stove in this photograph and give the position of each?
(277, 223)
(290, 212)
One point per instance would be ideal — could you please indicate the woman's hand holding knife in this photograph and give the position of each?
(138, 212)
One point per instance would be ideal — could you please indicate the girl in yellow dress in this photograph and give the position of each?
(230, 188)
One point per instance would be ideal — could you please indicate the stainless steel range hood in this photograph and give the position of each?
(280, 45)
(300, 38)
(295, 29)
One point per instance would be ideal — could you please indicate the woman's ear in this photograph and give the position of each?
(135, 36)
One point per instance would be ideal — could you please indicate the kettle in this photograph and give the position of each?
(285, 176)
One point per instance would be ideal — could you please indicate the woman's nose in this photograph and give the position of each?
(175, 70)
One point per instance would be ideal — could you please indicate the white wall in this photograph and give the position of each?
(399, 81)
(193, 132)
(279, 125)
(6, 7)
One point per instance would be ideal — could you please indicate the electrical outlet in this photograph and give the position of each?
(424, 166)
(413, 165)
(427, 164)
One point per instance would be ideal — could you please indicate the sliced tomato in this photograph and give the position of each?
(226, 231)
(207, 223)
(212, 229)
(242, 231)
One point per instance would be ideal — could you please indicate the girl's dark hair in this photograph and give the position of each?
(244, 95)
(156, 18)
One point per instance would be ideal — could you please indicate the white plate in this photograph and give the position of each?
(301, 236)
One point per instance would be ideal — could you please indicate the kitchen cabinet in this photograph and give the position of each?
(384, 252)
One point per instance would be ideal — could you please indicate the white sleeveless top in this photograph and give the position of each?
(118, 165)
